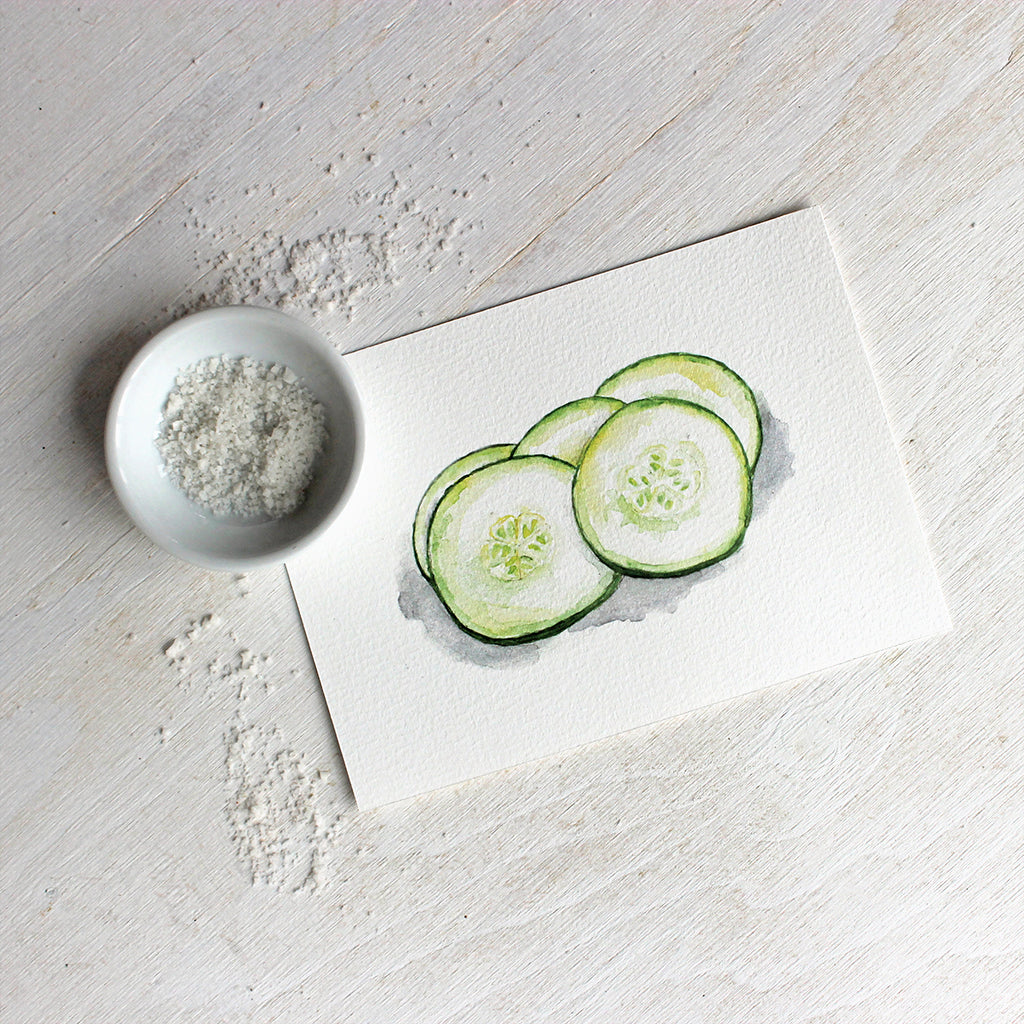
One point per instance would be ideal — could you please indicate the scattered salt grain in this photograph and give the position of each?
(393, 235)
(276, 810)
(241, 438)
(284, 820)
(174, 650)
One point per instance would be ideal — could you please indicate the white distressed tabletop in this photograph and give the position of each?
(179, 842)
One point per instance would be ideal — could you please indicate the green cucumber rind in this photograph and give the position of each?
(729, 372)
(542, 634)
(561, 625)
(421, 522)
(542, 430)
(647, 574)
(626, 566)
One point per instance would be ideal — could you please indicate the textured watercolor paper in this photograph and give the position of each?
(833, 565)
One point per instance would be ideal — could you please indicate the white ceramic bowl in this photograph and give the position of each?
(136, 468)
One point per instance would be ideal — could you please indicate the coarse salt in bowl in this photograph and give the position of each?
(138, 470)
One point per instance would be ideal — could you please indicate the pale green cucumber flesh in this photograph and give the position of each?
(451, 474)
(663, 489)
(565, 432)
(507, 557)
(693, 378)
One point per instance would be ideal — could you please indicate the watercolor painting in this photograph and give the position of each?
(556, 560)
(649, 478)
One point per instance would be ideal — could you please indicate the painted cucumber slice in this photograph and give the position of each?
(435, 492)
(692, 378)
(663, 489)
(507, 557)
(565, 433)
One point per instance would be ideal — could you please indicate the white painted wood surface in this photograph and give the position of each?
(845, 848)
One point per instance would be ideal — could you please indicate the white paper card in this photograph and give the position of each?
(833, 564)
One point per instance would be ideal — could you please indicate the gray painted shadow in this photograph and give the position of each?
(417, 599)
(775, 465)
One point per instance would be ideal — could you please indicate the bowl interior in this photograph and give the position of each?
(136, 467)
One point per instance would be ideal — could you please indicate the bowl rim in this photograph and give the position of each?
(136, 510)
